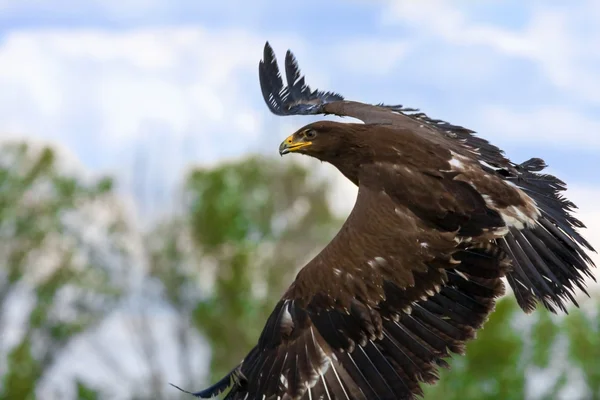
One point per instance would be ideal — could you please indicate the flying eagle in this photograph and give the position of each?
(441, 216)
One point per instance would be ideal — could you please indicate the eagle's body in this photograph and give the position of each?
(440, 217)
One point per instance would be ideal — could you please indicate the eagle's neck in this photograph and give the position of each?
(350, 173)
(354, 149)
(349, 163)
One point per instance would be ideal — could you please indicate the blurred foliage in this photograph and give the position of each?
(24, 371)
(67, 281)
(86, 393)
(220, 265)
(518, 356)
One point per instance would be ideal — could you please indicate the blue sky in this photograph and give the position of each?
(145, 89)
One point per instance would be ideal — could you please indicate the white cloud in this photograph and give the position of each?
(377, 56)
(176, 76)
(552, 126)
(559, 39)
(586, 199)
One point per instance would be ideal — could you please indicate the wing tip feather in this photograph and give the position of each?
(295, 98)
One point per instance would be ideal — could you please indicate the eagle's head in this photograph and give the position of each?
(324, 140)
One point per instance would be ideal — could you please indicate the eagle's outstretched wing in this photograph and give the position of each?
(377, 311)
(548, 255)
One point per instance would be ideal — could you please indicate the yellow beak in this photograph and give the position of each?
(289, 145)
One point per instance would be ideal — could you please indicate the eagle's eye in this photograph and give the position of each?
(310, 134)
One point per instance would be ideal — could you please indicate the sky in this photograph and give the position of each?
(144, 89)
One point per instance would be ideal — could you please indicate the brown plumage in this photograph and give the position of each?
(440, 217)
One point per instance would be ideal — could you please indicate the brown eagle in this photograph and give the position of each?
(440, 218)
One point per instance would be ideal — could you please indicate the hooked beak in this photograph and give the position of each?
(289, 145)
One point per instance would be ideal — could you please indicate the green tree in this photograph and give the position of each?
(62, 253)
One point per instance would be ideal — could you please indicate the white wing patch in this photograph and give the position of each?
(286, 322)
(514, 217)
(459, 162)
(456, 163)
(519, 217)
(377, 262)
(485, 164)
(283, 380)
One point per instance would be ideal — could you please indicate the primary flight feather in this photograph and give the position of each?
(440, 218)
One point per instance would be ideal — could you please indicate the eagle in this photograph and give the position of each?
(441, 218)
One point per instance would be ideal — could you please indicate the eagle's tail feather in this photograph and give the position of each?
(549, 259)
